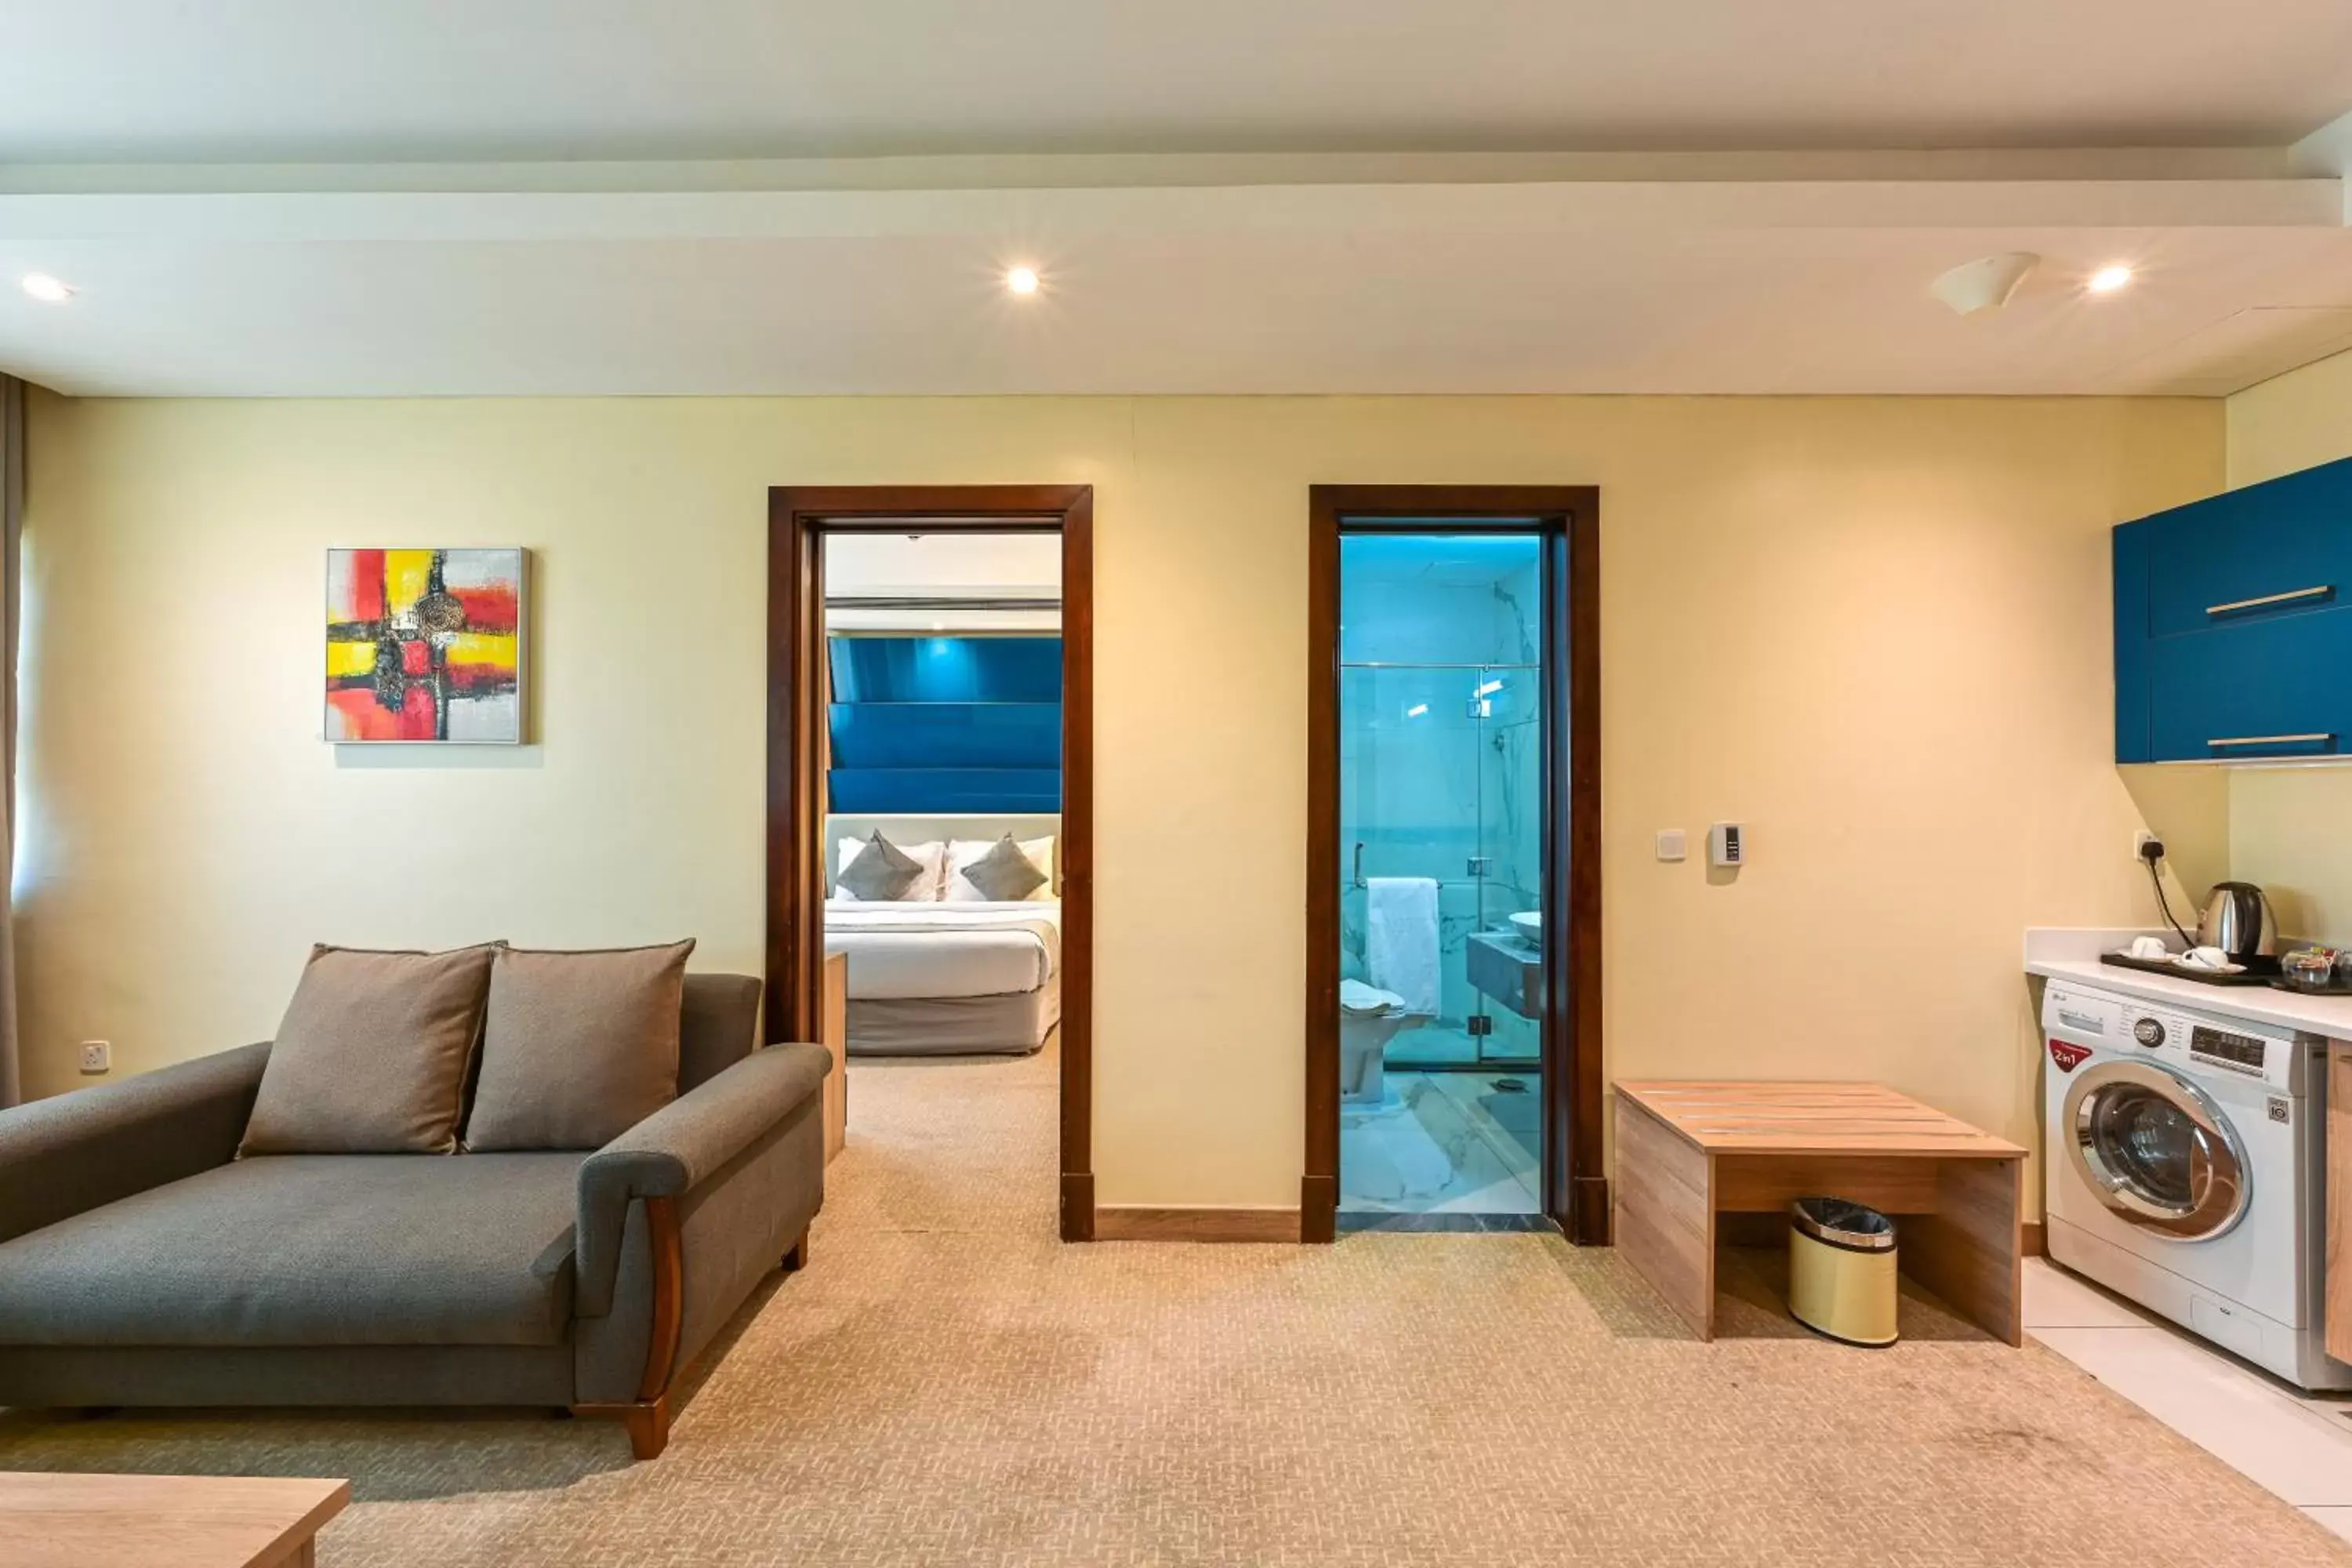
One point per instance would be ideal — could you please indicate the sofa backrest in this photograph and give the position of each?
(717, 1026)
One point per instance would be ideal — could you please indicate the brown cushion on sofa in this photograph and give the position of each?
(372, 1056)
(577, 1047)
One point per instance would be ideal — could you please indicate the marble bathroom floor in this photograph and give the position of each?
(1440, 1149)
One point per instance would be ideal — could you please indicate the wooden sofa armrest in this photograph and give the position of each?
(664, 1159)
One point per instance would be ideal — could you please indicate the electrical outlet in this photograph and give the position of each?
(2140, 839)
(97, 1056)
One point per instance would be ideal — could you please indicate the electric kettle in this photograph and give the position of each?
(2237, 920)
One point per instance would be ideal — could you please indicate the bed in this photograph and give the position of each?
(935, 977)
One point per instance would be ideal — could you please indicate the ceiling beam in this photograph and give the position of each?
(1618, 207)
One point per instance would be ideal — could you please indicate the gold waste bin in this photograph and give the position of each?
(1841, 1271)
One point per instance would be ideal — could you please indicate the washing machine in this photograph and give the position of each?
(2184, 1167)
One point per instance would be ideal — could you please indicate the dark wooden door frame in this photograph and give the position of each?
(1576, 1178)
(798, 519)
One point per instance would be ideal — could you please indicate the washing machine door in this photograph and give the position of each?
(2157, 1150)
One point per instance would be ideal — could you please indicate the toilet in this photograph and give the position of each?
(1369, 1019)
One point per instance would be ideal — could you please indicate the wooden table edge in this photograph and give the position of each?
(1660, 1117)
(291, 1541)
(1634, 1091)
(322, 1498)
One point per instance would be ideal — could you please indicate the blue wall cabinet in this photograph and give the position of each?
(2233, 625)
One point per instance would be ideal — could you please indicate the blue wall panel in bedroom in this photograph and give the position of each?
(947, 736)
(945, 723)
(947, 669)
(884, 791)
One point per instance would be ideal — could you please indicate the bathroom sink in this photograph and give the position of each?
(1528, 923)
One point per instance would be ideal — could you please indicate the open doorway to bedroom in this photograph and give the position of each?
(929, 854)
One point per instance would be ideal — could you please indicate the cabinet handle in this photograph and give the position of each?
(2275, 740)
(2268, 599)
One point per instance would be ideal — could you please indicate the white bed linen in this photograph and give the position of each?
(905, 950)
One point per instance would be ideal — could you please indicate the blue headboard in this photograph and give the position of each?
(947, 723)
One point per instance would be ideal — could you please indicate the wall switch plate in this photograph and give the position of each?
(97, 1056)
(1726, 845)
(1671, 844)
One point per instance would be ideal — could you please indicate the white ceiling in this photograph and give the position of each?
(370, 80)
(941, 568)
(685, 258)
(1616, 286)
(958, 564)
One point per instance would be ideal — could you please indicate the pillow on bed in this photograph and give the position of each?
(879, 872)
(962, 852)
(1003, 872)
(922, 889)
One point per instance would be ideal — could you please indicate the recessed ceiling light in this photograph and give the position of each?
(2107, 279)
(41, 286)
(1021, 279)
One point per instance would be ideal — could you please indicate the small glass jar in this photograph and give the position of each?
(2310, 968)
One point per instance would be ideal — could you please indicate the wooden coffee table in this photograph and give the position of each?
(1689, 1152)
(50, 1521)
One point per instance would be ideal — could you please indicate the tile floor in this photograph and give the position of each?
(2296, 1445)
(1449, 1143)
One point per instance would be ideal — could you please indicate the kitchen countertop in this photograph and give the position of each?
(2073, 953)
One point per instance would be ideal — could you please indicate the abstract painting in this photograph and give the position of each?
(425, 645)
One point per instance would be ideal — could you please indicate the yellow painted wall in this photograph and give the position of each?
(2287, 826)
(1876, 631)
(2290, 422)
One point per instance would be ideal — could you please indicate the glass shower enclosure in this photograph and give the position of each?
(1445, 785)
(1442, 806)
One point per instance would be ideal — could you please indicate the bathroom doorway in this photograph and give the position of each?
(1453, 1013)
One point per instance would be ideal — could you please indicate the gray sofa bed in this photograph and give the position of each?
(141, 1264)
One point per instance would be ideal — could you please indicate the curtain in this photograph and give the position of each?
(12, 515)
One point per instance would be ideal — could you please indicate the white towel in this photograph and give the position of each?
(1401, 939)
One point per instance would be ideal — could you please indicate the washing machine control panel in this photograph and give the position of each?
(2165, 1034)
(2228, 1048)
(2113, 1025)
(2187, 1043)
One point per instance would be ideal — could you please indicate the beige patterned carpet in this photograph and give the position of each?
(947, 1385)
